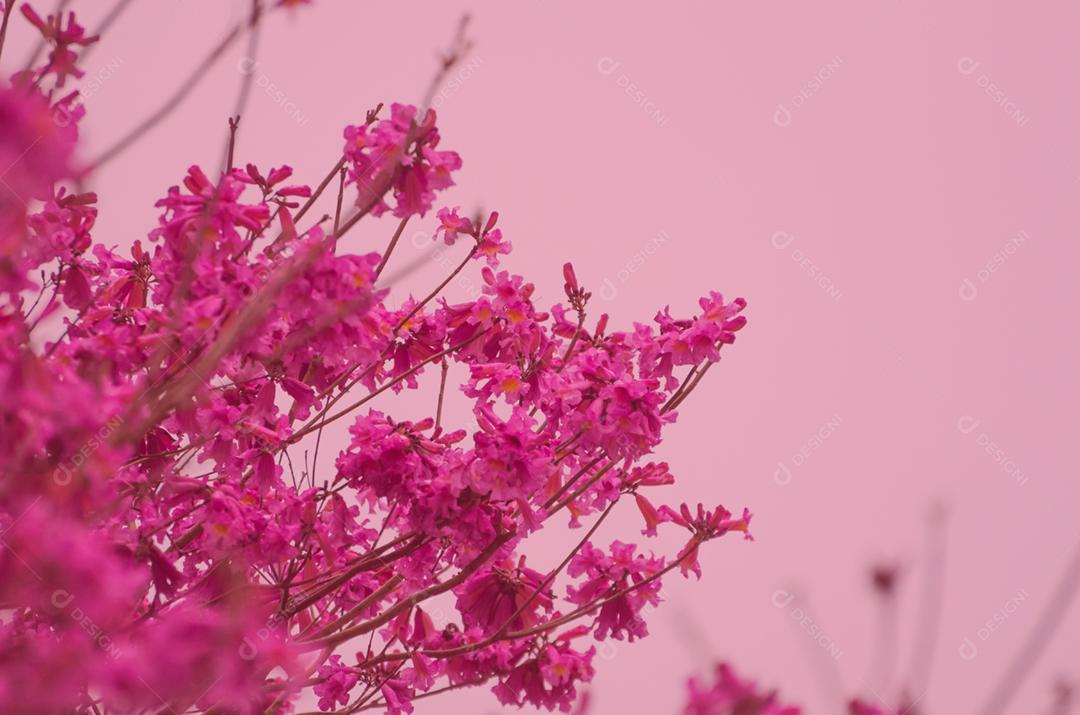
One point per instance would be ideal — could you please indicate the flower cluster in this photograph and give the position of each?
(173, 539)
(397, 156)
(728, 694)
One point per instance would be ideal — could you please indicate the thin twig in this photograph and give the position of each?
(1037, 641)
(234, 124)
(107, 22)
(250, 59)
(459, 47)
(828, 675)
(922, 658)
(555, 572)
(340, 196)
(372, 115)
(8, 7)
(445, 368)
(172, 103)
(403, 376)
(882, 664)
(390, 247)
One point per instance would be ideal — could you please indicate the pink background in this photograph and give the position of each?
(850, 223)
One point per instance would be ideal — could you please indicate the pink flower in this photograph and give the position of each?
(451, 225)
(491, 246)
(649, 513)
(61, 58)
(577, 295)
(704, 525)
(35, 149)
(504, 596)
(397, 695)
(549, 680)
(510, 461)
(398, 156)
(729, 695)
(607, 575)
(269, 183)
(336, 680)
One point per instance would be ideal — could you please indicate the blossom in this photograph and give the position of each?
(35, 149)
(504, 596)
(336, 680)
(491, 246)
(269, 183)
(398, 155)
(728, 694)
(62, 37)
(397, 696)
(451, 225)
(548, 680)
(703, 526)
(627, 583)
(649, 513)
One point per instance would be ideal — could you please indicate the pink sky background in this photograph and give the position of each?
(891, 185)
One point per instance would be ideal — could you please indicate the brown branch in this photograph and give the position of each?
(343, 578)
(556, 622)
(416, 598)
(340, 197)
(374, 597)
(444, 368)
(234, 124)
(390, 247)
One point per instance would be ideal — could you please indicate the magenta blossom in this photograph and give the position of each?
(727, 694)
